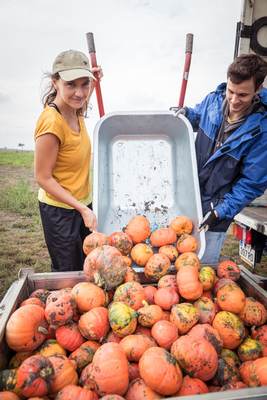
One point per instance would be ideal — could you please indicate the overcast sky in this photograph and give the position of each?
(140, 45)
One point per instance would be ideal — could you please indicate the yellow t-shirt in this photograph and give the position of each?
(72, 169)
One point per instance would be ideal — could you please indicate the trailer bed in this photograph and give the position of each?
(28, 281)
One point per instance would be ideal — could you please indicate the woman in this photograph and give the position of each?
(62, 161)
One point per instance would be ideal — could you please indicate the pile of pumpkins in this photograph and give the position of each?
(191, 331)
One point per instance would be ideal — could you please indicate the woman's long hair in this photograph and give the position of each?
(49, 94)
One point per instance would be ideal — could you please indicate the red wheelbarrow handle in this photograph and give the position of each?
(188, 53)
(91, 48)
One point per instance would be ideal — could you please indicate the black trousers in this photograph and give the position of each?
(64, 233)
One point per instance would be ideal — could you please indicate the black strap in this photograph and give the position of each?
(54, 106)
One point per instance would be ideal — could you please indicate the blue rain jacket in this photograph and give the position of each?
(237, 173)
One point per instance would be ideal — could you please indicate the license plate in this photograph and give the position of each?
(247, 253)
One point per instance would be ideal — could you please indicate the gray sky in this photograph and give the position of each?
(140, 45)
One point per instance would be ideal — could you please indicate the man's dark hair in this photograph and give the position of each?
(248, 66)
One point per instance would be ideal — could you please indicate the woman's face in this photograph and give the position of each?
(73, 93)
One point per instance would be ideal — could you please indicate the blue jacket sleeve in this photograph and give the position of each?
(252, 184)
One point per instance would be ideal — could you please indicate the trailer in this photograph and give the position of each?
(251, 223)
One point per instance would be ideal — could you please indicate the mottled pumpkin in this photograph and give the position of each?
(226, 372)
(157, 266)
(208, 333)
(121, 241)
(229, 269)
(253, 313)
(184, 316)
(170, 251)
(149, 315)
(62, 310)
(207, 276)
(206, 309)
(65, 374)
(49, 348)
(186, 243)
(105, 266)
(187, 258)
(95, 240)
(250, 350)
(131, 293)
(196, 356)
(231, 329)
(122, 318)
(131, 275)
(168, 281)
(84, 354)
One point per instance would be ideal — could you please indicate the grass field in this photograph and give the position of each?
(22, 242)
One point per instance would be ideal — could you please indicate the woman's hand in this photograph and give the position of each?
(99, 71)
(89, 218)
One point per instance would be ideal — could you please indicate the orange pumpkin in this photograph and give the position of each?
(157, 266)
(131, 275)
(138, 389)
(220, 283)
(168, 281)
(150, 293)
(165, 333)
(70, 392)
(231, 329)
(110, 370)
(21, 336)
(88, 296)
(186, 243)
(95, 240)
(138, 229)
(189, 284)
(206, 332)
(94, 324)
(228, 269)
(121, 241)
(260, 334)
(111, 337)
(128, 262)
(160, 371)
(131, 293)
(196, 356)
(105, 266)
(166, 297)
(134, 346)
(62, 310)
(142, 329)
(206, 309)
(141, 253)
(253, 313)
(181, 224)
(149, 315)
(84, 354)
(65, 374)
(191, 386)
(133, 371)
(231, 298)
(184, 316)
(187, 258)
(170, 251)
(69, 337)
(33, 300)
(7, 395)
(162, 236)
(35, 376)
(254, 373)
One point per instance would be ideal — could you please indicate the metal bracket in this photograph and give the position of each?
(246, 31)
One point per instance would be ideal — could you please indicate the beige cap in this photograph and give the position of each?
(72, 65)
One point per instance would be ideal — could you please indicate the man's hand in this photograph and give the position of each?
(179, 111)
(209, 220)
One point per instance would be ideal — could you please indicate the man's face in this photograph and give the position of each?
(240, 96)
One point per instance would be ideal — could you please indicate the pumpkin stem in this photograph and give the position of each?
(43, 330)
(98, 280)
(46, 372)
(145, 303)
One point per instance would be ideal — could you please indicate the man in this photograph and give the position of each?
(231, 148)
